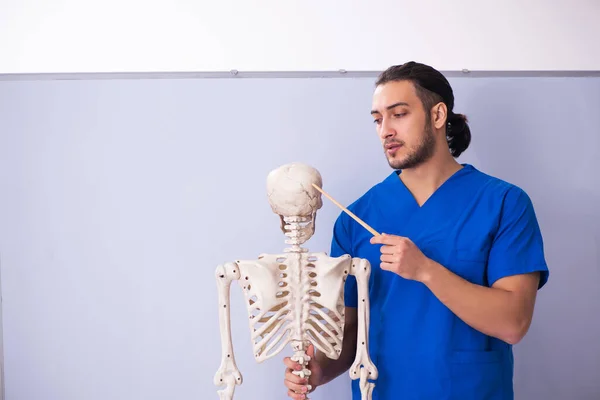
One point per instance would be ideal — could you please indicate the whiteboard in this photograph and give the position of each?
(120, 197)
(71, 36)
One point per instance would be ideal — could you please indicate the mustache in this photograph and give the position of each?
(393, 141)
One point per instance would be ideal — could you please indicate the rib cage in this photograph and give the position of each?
(294, 297)
(324, 327)
(270, 329)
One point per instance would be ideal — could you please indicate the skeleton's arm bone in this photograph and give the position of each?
(361, 269)
(228, 373)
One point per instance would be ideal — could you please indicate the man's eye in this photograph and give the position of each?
(377, 121)
(399, 115)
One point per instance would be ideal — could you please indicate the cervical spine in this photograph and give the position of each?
(296, 233)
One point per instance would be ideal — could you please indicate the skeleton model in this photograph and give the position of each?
(295, 297)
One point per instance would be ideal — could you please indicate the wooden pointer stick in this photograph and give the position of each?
(360, 221)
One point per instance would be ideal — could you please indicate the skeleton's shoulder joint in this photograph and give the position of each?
(360, 266)
(228, 271)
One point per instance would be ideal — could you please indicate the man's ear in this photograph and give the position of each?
(439, 114)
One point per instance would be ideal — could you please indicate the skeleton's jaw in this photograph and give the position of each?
(298, 229)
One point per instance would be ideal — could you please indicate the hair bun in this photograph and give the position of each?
(458, 133)
(458, 118)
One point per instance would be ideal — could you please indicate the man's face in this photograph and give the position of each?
(402, 125)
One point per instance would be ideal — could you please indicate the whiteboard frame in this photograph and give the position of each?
(281, 74)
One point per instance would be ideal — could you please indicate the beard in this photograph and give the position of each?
(418, 155)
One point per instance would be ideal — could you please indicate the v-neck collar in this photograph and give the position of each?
(399, 211)
(400, 188)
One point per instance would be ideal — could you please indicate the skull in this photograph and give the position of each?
(292, 196)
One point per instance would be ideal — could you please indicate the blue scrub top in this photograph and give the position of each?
(479, 227)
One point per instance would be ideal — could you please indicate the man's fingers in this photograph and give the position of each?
(295, 387)
(388, 240)
(388, 249)
(385, 239)
(292, 364)
(386, 266)
(295, 395)
(293, 378)
(311, 351)
(390, 258)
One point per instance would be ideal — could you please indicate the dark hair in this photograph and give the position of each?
(432, 87)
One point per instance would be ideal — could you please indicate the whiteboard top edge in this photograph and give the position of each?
(234, 74)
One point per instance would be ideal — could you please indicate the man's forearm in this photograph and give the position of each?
(494, 311)
(331, 369)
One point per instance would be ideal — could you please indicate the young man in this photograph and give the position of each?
(455, 276)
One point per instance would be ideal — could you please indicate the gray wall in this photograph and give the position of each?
(120, 197)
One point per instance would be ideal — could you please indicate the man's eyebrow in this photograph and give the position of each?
(400, 103)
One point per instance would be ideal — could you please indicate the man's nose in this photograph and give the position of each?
(387, 130)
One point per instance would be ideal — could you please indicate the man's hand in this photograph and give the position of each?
(401, 256)
(299, 387)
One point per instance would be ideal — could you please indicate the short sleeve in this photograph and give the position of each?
(340, 245)
(517, 247)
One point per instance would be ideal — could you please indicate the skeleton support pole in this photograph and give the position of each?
(363, 367)
(228, 373)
